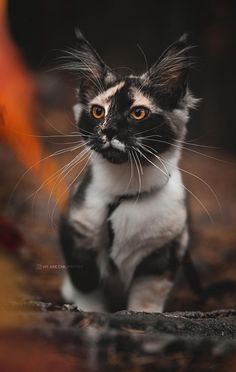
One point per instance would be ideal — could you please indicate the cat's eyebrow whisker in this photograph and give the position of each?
(195, 176)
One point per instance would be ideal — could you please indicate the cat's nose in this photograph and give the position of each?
(110, 132)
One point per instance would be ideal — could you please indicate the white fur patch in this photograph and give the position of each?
(106, 145)
(140, 228)
(149, 294)
(77, 112)
(104, 98)
(142, 100)
(117, 144)
(89, 218)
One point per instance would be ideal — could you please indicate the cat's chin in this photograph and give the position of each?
(114, 156)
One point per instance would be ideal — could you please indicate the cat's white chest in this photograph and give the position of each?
(143, 226)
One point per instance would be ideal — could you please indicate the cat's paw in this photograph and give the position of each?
(86, 302)
(146, 308)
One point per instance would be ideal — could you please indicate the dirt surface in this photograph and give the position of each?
(124, 341)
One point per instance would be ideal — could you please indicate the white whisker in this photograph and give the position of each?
(197, 177)
(131, 171)
(141, 153)
(69, 186)
(138, 173)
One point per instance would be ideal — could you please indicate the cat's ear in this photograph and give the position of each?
(88, 58)
(169, 75)
(88, 67)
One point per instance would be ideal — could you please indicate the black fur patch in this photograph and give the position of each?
(80, 261)
(162, 261)
(115, 293)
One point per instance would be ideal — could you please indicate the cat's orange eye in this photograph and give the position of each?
(97, 112)
(139, 113)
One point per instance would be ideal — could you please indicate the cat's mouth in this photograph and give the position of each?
(114, 151)
(114, 156)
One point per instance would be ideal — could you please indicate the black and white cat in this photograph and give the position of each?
(126, 231)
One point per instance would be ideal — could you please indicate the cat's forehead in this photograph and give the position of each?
(107, 95)
(125, 93)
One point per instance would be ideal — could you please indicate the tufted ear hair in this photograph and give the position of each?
(88, 57)
(168, 76)
(88, 67)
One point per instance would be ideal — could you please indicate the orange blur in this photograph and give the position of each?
(17, 108)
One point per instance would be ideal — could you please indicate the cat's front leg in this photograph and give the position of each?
(149, 293)
(81, 283)
(154, 278)
(91, 301)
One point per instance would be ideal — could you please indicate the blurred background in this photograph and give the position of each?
(43, 28)
(36, 117)
(41, 31)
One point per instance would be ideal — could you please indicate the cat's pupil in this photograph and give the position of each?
(138, 112)
(99, 111)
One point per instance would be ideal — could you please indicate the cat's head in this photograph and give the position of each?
(138, 116)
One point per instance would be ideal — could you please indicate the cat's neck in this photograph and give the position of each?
(125, 179)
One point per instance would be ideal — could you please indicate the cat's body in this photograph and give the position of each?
(126, 231)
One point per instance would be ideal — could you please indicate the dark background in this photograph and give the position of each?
(43, 28)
